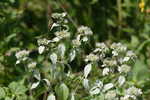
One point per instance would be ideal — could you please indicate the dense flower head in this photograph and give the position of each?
(85, 30)
(22, 54)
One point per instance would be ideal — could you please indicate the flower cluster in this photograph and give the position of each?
(112, 60)
(106, 66)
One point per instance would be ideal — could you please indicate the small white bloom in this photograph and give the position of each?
(124, 68)
(108, 86)
(85, 39)
(91, 57)
(105, 71)
(32, 65)
(133, 91)
(85, 30)
(121, 80)
(21, 54)
(87, 70)
(53, 58)
(110, 95)
(41, 49)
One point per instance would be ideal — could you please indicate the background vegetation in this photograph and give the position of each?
(22, 22)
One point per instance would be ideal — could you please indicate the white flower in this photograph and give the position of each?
(53, 58)
(105, 71)
(22, 54)
(43, 41)
(41, 49)
(32, 65)
(87, 70)
(85, 39)
(108, 86)
(110, 95)
(133, 91)
(62, 34)
(124, 68)
(91, 57)
(85, 30)
(76, 42)
(121, 80)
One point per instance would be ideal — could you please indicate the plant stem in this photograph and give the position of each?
(119, 17)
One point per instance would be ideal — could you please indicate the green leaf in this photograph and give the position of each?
(17, 88)
(2, 93)
(62, 92)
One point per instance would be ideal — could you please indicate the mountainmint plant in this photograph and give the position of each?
(71, 72)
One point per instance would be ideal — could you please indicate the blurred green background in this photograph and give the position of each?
(23, 21)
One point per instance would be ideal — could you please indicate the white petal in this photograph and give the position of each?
(41, 49)
(87, 70)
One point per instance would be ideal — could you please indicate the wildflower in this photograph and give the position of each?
(133, 91)
(21, 55)
(124, 68)
(110, 95)
(43, 42)
(101, 47)
(118, 47)
(59, 15)
(142, 5)
(76, 43)
(91, 57)
(62, 34)
(32, 65)
(85, 30)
